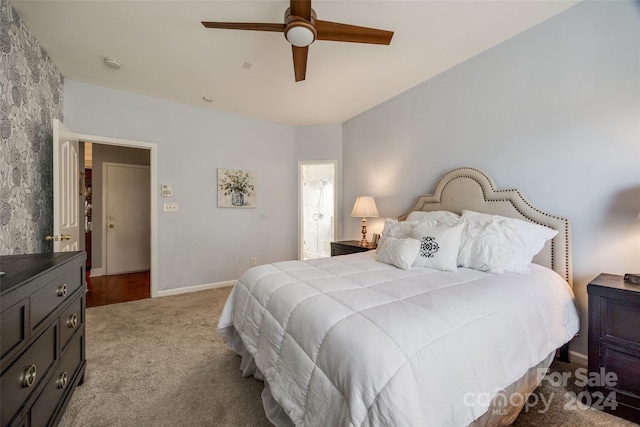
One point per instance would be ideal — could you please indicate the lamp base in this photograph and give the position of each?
(364, 242)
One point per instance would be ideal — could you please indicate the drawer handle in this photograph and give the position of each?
(29, 376)
(73, 321)
(62, 290)
(62, 381)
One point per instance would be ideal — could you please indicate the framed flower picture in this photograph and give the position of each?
(236, 188)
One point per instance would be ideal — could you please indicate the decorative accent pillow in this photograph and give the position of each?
(528, 240)
(445, 217)
(398, 229)
(438, 246)
(398, 252)
(485, 245)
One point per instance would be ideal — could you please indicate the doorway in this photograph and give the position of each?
(151, 153)
(317, 206)
(120, 232)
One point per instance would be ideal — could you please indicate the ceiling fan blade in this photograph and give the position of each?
(301, 8)
(337, 32)
(300, 61)
(279, 28)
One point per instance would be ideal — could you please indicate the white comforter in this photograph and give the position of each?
(351, 341)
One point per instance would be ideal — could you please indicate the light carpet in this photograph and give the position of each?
(160, 362)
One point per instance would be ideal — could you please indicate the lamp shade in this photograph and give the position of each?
(365, 207)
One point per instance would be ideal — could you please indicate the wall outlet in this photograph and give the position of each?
(171, 207)
(253, 260)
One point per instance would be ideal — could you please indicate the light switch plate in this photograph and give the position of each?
(166, 191)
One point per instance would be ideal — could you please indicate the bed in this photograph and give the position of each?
(352, 341)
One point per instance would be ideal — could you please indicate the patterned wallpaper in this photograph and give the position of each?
(31, 90)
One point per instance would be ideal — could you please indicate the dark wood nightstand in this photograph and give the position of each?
(346, 247)
(614, 346)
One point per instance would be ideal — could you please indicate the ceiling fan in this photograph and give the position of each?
(301, 28)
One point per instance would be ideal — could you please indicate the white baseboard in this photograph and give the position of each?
(577, 358)
(96, 272)
(187, 289)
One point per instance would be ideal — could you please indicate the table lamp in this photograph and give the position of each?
(630, 277)
(364, 207)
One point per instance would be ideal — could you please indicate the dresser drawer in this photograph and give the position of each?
(13, 327)
(626, 366)
(26, 373)
(620, 321)
(55, 293)
(60, 383)
(71, 320)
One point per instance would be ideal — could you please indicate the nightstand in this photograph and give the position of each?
(614, 346)
(346, 247)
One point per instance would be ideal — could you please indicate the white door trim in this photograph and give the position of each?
(153, 166)
(336, 176)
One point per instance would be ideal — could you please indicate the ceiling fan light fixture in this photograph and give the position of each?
(301, 28)
(300, 35)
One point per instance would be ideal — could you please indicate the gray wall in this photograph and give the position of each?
(31, 89)
(107, 153)
(201, 243)
(554, 111)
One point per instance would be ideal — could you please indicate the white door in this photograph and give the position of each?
(66, 187)
(127, 209)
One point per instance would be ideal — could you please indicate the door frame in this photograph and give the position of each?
(104, 205)
(153, 168)
(336, 196)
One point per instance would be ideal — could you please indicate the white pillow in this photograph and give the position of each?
(527, 242)
(485, 245)
(398, 252)
(446, 217)
(438, 246)
(398, 229)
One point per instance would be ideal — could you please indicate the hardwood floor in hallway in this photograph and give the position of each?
(104, 290)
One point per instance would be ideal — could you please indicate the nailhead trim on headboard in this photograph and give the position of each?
(560, 257)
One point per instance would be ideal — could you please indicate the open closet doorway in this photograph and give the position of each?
(317, 189)
(117, 223)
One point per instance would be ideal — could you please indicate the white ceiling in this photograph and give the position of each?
(166, 53)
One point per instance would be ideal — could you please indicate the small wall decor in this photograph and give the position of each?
(236, 188)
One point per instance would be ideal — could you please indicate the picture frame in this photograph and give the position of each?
(375, 239)
(236, 188)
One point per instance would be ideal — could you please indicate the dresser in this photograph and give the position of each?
(42, 349)
(346, 247)
(614, 346)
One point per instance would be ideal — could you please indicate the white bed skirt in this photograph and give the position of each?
(498, 414)
(272, 409)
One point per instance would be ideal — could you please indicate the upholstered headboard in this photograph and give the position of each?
(472, 189)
